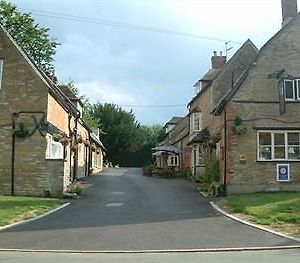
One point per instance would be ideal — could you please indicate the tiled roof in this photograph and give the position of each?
(174, 120)
(230, 93)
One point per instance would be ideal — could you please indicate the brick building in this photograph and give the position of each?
(205, 128)
(260, 116)
(173, 151)
(33, 112)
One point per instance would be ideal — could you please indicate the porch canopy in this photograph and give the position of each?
(159, 150)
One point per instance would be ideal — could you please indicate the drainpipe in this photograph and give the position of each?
(14, 116)
(90, 166)
(181, 159)
(70, 134)
(225, 154)
(75, 156)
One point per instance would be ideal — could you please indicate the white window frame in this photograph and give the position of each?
(1, 72)
(296, 89)
(196, 116)
(297, 83)
(293, 84)
(286, 145)
(173, 160)
(59, 155)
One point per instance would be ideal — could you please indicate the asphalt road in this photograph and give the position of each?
(123, 210)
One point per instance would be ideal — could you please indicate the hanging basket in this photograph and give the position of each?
(21, 131)
(74, 147)
(56, 137)
(79, 139)
(86, 142)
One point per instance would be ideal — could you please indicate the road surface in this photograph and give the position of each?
(123, 210)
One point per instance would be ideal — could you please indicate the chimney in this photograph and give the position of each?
(289, 10)
(217, 61)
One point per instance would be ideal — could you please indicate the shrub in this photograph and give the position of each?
(166, 173)
(212, 171)
(187, 173)
(215, 189)
(147, 169)
(74, 188)
(211, 178)
(239, 128)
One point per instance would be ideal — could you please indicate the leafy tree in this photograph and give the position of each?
(119, 127)
(128, 143)
(33, 38)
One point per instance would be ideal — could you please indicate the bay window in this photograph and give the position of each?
(278, 145)
(173, 160)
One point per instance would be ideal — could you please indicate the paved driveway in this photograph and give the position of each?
(123, 210)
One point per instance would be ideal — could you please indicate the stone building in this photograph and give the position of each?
(173, 151)
(34, 115)
(205, 128)
(260, 116)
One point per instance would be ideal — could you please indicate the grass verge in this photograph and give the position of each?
(16, 208)
(278, 211)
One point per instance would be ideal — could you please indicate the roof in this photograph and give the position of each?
(180, 131)
(96, 140)
(174, 120)
(207, 79)
(51, 86)
(230, 93)
(167, 149)
(201, 136)
(231, 72)
(210, 75)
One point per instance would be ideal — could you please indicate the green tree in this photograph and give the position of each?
(120, 128)
(33, 38)
(128, 143)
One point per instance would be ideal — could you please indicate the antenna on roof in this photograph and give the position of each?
(227, 48)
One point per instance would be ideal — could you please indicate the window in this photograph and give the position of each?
(1, 70)
(173, 160)
(278, 145)
(196, 121)
(292, 89)
(55, 150)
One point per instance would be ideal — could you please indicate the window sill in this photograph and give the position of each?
(277, 161)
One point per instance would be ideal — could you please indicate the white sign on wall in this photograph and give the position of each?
(283, 172)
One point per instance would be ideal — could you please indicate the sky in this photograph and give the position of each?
(146, 55)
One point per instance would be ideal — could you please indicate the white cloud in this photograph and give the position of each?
(88, 58)
(102, 91)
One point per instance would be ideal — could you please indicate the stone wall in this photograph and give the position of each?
(257, 104)
(23, 91)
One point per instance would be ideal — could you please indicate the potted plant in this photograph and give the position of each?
(86, 142)
(21, 131)
(79, 139)
(65, 141)
(93, 147)
(56, 137)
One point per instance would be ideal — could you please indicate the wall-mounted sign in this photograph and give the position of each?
(243, 157)
(283, 172)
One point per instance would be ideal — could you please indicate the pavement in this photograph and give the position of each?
(121, 210)
(274, 256)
